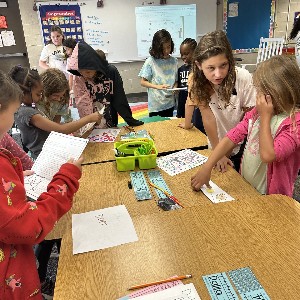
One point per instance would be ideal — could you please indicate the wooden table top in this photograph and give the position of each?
(263, 233)
(167, 137)
(103, 186)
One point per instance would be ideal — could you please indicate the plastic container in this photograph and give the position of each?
(128, 162)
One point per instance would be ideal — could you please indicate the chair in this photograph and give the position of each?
(267, 47)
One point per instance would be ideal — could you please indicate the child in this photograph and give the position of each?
(10, 144)
(222, 92)
(33, 124)
(69, 45)
(52, 105)
(96, 84)
(187, 49)
(159, 73)
(53, 55)
(271, 157)
(295, 35)
(25, 223)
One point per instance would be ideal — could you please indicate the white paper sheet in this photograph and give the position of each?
(178, 89)
(57, 150)
(215, 194)
(102, 229)
(8, 38)
(179, 292)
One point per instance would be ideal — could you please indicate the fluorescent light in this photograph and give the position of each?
(3, 4)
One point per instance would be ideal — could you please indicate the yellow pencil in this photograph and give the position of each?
(166, 193)
(159, 282)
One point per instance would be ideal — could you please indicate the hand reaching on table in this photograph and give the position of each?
(201, 177)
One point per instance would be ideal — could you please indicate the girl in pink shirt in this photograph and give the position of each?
(271, 158)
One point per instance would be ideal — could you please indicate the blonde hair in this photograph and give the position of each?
(210, 45)
(54, 81)
(279, 77)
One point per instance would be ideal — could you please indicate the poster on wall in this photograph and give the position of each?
(67, 17)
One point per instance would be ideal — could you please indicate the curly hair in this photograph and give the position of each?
(160, 37)
(54, 81)
(210, 45)
(10, 91)
(25, 78)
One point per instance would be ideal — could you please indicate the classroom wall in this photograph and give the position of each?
(284, 19)
(129, 71)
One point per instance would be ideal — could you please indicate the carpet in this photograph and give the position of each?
(139, 110)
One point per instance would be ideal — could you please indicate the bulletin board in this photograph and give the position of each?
(112, 28)
(246, 21)
(67, 17)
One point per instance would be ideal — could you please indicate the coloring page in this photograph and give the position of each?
(180, 161)
(103, 135)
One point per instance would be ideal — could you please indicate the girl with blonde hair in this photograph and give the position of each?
(271, 158)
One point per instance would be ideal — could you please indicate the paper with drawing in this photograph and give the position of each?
(102, 229)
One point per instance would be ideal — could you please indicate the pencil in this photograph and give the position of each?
(166, 193)
(159, 282)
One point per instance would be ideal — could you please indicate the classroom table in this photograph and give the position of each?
(263, 234)
(167, 137)
(103, 186)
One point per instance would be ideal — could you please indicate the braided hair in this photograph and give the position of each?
(25, 78)
(191, 42)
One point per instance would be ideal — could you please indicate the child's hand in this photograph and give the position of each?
(76, 163)
(28, 172)
(182, 125)
(264, 105)
(162, 86)
(223, 163)
(200, 178)
(96, 117)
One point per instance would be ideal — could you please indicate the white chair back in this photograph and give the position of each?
(269, 47)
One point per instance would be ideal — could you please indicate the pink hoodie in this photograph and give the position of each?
(281, 173)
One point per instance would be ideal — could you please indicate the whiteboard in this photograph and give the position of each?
(112, 28)
(178, 20)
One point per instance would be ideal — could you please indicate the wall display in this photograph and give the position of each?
(67, 17)
(252, 23)
(118, 30)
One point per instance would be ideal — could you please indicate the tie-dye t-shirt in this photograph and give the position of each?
(160, 71)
